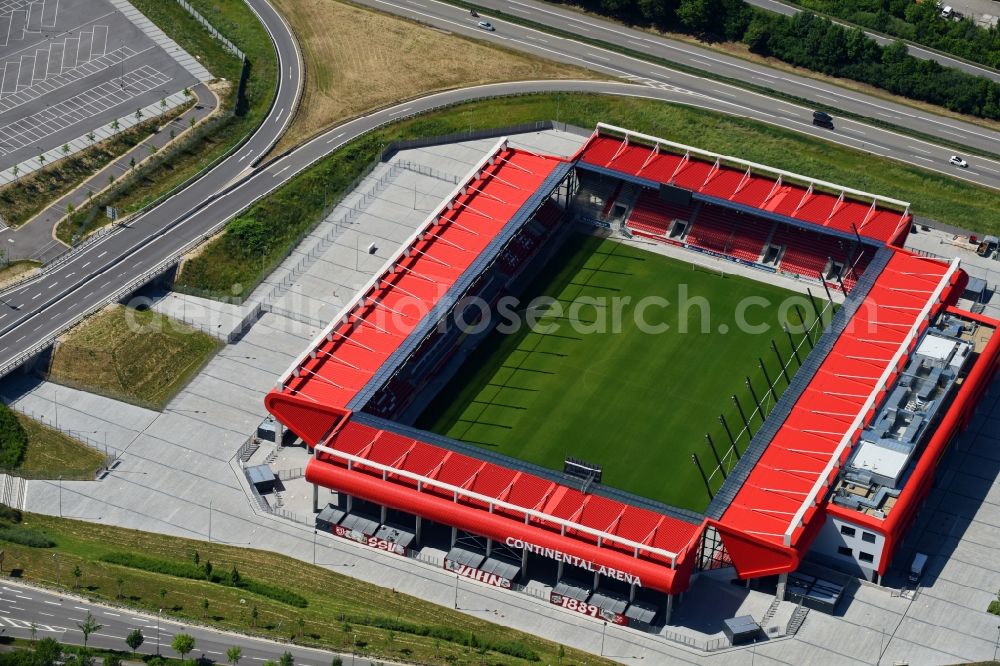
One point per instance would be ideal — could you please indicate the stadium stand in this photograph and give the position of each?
(653, 216)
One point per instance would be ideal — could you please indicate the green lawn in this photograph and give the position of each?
(51, 454)
(636, 402)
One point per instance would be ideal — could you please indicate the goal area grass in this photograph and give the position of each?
(636, 399)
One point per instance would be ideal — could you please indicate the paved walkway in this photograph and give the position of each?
(36, 238)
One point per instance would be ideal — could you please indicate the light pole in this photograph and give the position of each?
(60, 495)
(55, 556)
(456, 591)
(604, 631)
(314, 547)
(997, 644)
(158, 631)
(210, 521)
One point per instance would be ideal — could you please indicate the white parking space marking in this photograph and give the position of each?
(30, 130)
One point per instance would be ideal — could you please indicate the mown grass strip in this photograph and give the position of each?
(258, 239)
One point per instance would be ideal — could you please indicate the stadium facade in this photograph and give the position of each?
(838, 470)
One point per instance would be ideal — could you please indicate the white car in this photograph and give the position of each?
(958, 161)
(486, 25)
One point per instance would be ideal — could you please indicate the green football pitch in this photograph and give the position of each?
(635, 401)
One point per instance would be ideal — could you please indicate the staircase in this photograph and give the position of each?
(798, 617)
(12, 491)
(772, 609)
(250, 449)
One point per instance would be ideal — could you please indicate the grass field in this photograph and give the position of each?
(383, 59)
(51, 454)
(636, 402)
(139, 356)
(382, 623)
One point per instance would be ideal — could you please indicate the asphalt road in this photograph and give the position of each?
(58, 616)
(915, 50)
(449, 17)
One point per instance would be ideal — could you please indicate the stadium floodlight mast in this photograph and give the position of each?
(812, 497)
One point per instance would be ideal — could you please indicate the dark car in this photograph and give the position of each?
(822, 119)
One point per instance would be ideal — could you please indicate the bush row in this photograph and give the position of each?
(25, 537)
(13, 439)
(206, 572)
(449, 634)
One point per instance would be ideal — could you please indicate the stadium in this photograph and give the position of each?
(503, 388)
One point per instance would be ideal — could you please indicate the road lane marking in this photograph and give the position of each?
(396, 113)
(102, 254)
(86, 264)
(919, 150)
(80, 608)
(46, 614)
(53, 603)
(280, 113)
(335, 138)
(111, 614)
(278, 173)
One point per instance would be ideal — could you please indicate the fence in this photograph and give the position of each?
(232, 48)
(291, 474)
(111, 454)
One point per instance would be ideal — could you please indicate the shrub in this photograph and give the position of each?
(176, 569)
(25, 537)
(994, 607)
(9, 514)
(13, 439)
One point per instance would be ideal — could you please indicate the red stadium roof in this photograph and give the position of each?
(779, 498)
(503, 503)
(346, 355)
(741, 182)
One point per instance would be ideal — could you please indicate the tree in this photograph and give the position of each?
(47, 652)
(91, 137)
(88, 627)
(34, 631)
(120, 582)
(286, 659)
(15, 170)
(337, 661)
(208, 569)
(163, 104)
(134, 640)
(111, 179)
(234, 576)
(41, 159)
(302, 626)
(131, 163)
(191, 122)
(163, 595)
(65, 149)
(77, 572)
(112, 660)
(152, 148)
(182, 644)
(70, 208)
(233, 655)
(196, 557)
(187, 92)
(115, 125)
(253, 617)
(138, 115)
(204, 608)
(562, 653)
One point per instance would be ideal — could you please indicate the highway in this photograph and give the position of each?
(446, 16)
(58, 616)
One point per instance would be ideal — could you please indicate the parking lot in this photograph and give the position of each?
(68, 68)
